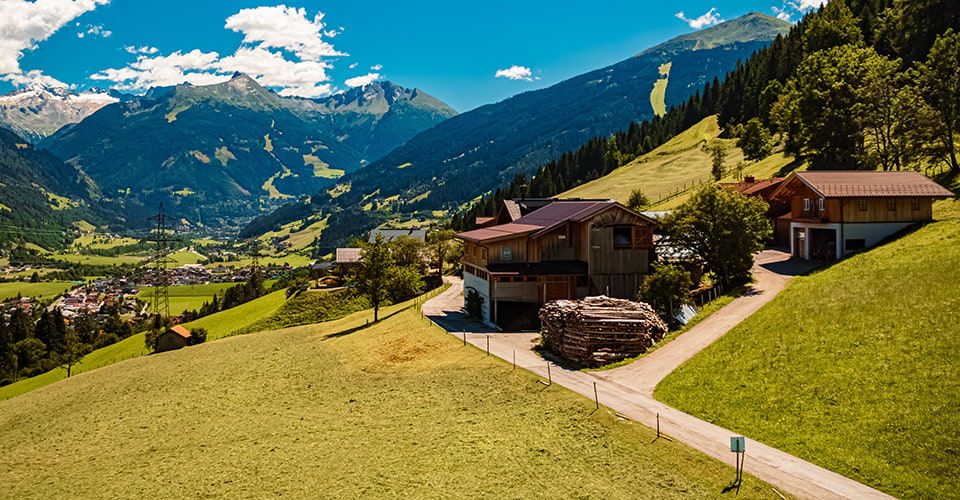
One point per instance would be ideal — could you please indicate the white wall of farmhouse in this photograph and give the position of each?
(849, 237)
(482, 287)
(872, 233)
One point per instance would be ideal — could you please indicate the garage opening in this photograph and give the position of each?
(516, 316)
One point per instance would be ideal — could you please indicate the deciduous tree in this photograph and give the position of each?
(939, 82)
(722, 228)
(378, 277)
(755, 140)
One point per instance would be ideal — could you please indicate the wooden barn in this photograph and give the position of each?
(175, 337)
(833, 213)
(564, 249)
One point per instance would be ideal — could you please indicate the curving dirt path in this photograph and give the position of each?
(629, 389)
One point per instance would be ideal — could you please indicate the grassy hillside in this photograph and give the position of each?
(338, 411)
(218, 325)
(186, 297)
(679, 164)
(10, 289)
(853, 368)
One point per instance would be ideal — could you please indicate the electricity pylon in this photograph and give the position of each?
(163, 237)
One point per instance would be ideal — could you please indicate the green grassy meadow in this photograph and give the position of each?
(679, 164)
(186, 297)
(98, 260)
(336, 410)
(47, 290)
(853, 368)
(219, 325)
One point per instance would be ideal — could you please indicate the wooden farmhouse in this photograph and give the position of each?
(833, 213)
(565, 249)
(175, 337)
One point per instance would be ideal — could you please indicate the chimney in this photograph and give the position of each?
(749, 179)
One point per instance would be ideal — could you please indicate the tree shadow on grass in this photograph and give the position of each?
(355, 329)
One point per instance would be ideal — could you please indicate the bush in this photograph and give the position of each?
(666, 289)
(198, 336)
(637, 200)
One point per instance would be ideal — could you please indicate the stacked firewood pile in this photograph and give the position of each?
(600, 330)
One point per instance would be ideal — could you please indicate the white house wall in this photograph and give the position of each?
(482, 287)
(871, 233)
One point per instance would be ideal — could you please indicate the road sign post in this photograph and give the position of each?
(738, 445)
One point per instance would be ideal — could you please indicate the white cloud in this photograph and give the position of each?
(360, 81)
(798, 8)
(708, 19)
(515, 73)
(286, 28)
(299, 78)
(23, 24)
(806, 5)
(282, 48)
(141, 50)
(194, 67)
(33, 76)
(354, 65)
(376, 67)
(96, 31)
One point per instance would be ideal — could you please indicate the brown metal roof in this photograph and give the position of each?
(546, 218)
(750, 188)
(503, 231)
(543, 220)
(866, 184)
(181, 331)
(485, 221)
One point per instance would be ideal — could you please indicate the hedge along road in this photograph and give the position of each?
(629, 389)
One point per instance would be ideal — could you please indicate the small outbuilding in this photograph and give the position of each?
(175, 337)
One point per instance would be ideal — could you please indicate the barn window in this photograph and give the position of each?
(506, 253)
(892, 204)
(622, 237)
(862, 204)
(915, 204)
(806, 204)
(820, 204)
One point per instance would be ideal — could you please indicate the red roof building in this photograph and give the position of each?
(175, 337)
(563, 249)
(833, 213)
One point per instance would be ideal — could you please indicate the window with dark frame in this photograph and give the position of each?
(862, 204)
(623, 237)
(915, 204)
(891, 204)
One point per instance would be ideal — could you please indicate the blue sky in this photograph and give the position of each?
(464, 53)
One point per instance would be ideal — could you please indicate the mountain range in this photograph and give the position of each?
(40, 196)
(218, 154)
(492, 144)
(37, 110)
